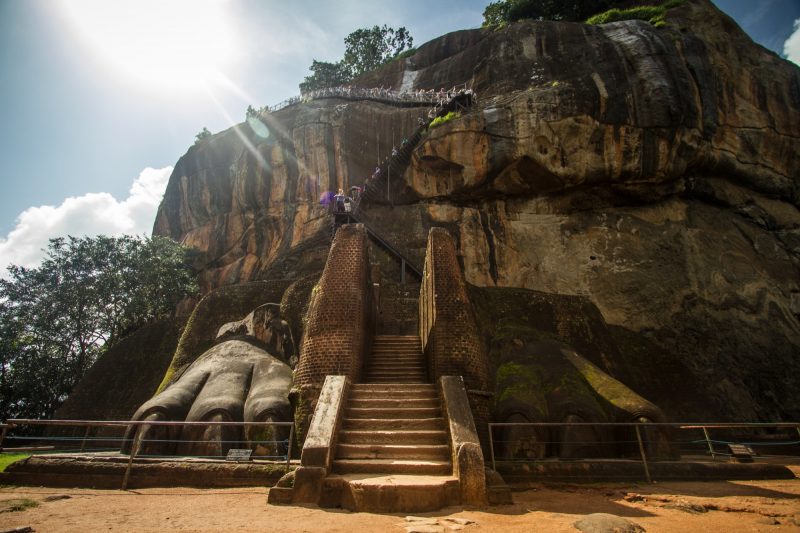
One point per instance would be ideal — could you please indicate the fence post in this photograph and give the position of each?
(85, 436)
(708, 442)
(289, 448)
(130, 458)
(796, 427)
(641, 451)
(491, 446)
(5, 429)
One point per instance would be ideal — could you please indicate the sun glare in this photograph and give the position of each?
(167, 45)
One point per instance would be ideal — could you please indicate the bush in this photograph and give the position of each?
(653, 14)
(438, 121)
(9, 458)
(635, 13)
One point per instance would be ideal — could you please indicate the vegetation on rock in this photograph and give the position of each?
(652, 14)
(592, 11)
(438, 121)
(504, 11)
(204, 134)
(365, 50)
(7, 459)
(87, 294)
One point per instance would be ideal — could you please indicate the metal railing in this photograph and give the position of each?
(544, 443)
(109, 437)
(421, 97)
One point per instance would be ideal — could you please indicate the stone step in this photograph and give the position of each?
(387, 424)
(394, 493)
(393, 412)
(415, 356)
(378, 379)
(392, 466)
(393, 365)
(391, 437)
(393, 362)
(396, 357)
(383, 402)
(392, 394)
(424, 452)
(389, 368)
(399, 387)
(397, 372)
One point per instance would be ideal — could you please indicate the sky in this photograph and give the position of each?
(99, 98)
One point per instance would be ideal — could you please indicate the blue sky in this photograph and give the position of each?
(100, 97)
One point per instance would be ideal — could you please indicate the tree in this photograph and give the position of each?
(56, 319)
(368, 48)
(325, 75)
(365, 50)
(505, 11)
(204, 134)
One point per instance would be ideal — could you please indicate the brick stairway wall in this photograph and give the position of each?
(448, 329)
(339, 322)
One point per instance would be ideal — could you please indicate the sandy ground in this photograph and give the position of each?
(676, 506)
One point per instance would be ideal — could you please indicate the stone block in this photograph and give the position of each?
(321, 437)
(308, 484)
(280, 496)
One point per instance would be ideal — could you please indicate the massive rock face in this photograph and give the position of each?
(650, 173)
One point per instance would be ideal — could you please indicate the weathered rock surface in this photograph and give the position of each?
(607, 523)
(650, 173)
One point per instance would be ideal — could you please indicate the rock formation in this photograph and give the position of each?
(629, 191)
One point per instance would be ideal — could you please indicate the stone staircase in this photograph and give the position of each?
(396, 359)
(393, 446)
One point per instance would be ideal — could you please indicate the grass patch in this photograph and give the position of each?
(407, 53)
(17, 504)
(8, 458)
(438, 121)
(652, 14)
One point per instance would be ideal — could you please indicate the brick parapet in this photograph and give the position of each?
(338, 317)
(448, 328)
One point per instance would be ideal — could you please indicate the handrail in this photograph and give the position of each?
(124, 423)
(705, 440)
(679, 425)
(388, 246)
(421, 97)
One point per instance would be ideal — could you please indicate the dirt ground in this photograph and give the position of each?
(676, 506)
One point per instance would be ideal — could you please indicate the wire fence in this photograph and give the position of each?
(149, 440)
(565, 448)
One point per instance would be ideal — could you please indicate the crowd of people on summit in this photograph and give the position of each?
(422, 96)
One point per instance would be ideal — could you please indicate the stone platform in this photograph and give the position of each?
(107, 471)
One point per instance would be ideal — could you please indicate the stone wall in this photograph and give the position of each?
(337, 332)
(448, 329)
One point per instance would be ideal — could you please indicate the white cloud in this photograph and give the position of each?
(88, 215)
(791, 48)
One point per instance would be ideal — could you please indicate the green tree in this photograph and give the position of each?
(365, 50)
(505, 11)
(56, 319)
(368, 48)
(325, 75)
(204, 134)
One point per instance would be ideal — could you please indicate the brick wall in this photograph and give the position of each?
(448, 329)
(337, 332)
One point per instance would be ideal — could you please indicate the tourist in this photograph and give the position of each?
(340, 201)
